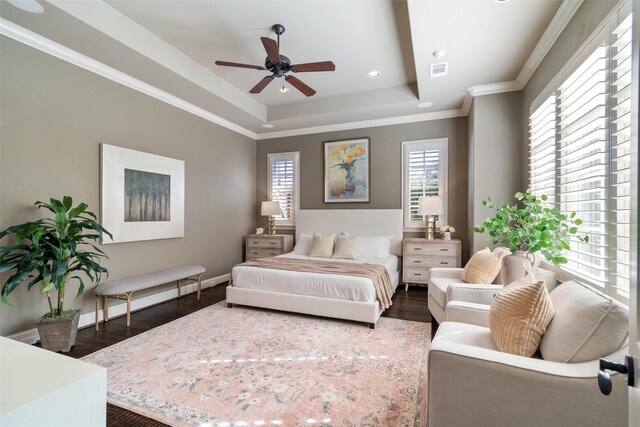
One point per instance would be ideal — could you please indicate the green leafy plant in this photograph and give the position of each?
(54, 251)
(534, 224)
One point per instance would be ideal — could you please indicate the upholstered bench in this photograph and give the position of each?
(124, 288)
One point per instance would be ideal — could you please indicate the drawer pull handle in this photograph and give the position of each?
(417, 274)
(416, 262)
(444, 262)
(418, 249)
(444, 249)
(273, 243)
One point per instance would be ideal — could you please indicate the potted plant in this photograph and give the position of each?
(532, 225)
(447, 231)
(53, 252)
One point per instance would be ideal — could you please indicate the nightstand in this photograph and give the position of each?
(264, 245)
(419, 255)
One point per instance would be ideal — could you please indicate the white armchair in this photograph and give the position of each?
(470, 382)
(445, 285)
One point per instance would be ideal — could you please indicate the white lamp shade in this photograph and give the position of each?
(270, 208)
(430, 205)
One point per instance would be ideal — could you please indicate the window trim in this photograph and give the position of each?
(442, 144)
(290, 155)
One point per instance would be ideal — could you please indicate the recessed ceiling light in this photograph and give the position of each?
(425, 104)
(439, 53)
(267, 125)
(374, 74)
(501, 1)
(284, 89)
(31, 6)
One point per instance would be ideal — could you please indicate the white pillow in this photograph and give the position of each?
(346, 247)
(322, 245)
(303, 244)
(373, 246)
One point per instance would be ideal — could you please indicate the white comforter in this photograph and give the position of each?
(350, 288)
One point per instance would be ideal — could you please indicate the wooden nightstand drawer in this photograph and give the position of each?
(432, 249)
(447, 262)
(261, 253)
(264, 242)
(415, 275)
(416, 261)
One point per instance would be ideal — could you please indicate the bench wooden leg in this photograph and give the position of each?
(106, 309)
(97, 308)
(129, 309)
(199, 285)
(178, 284)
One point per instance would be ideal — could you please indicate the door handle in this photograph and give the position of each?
(604, 379)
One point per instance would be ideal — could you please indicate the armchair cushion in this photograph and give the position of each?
(588, 324)
(483, 267)
(519, 315)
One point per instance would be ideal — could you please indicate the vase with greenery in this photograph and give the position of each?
(54, 251)
(533, 224)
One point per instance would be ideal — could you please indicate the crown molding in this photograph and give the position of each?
(563, 15)
(388, 121)
(43, 44)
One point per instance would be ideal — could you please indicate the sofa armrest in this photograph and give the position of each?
(445, 273)
(466, 372)
(467, 312)
(480, 294)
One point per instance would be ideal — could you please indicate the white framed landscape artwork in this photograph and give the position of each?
(346, 171)
(142, 195)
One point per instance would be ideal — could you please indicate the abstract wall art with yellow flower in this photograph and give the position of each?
(346, 171)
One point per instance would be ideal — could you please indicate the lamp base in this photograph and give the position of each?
(430, 227)
(271, 226)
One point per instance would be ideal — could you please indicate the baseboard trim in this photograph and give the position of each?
(31, 336)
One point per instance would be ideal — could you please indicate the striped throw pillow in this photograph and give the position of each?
(483, 267)
(519, 316)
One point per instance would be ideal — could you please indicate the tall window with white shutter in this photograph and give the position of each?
(579, 154)
(284, 183)
(424, 174)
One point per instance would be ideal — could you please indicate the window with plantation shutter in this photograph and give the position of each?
(283, 183)
(580, 154)
(542, 149)
(620, 154)
(583, 158)
(425, 174)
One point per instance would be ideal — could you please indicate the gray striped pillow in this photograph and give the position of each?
(519, 316)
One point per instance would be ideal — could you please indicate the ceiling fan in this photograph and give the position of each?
(279, 65)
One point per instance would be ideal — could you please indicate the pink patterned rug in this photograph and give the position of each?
(222, 367)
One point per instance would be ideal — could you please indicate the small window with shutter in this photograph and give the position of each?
(284, 182)
(424, 174)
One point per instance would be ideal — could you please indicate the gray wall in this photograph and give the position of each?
(583, 23)
(495, 155)
(386, 166)
(55, 115)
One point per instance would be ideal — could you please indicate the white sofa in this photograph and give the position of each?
(470, 382)
(445, 285)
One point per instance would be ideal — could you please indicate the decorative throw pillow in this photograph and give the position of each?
(483, 267)
(346, 247)
(373, 246)
(519, 315)
(304, 242)
(322, 245)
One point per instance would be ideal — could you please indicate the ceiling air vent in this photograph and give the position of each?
(439, 70)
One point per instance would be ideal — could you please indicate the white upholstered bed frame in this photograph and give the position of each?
(372, 222)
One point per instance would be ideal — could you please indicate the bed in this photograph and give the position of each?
(329, 295)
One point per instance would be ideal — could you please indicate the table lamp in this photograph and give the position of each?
(270, 209)
(430, 206)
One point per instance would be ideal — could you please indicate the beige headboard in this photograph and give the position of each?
(366, 222)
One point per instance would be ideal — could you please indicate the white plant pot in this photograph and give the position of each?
(515, 266)
(446, 235)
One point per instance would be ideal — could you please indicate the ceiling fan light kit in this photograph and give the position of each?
(280, 66)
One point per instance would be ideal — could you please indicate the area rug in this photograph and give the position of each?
(224, 367)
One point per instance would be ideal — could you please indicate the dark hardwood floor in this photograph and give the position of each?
(410, 305)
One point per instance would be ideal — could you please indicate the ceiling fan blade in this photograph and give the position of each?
(235, 64)
(271, 47)
(302, 87)
(313, 66)
(261, 84)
